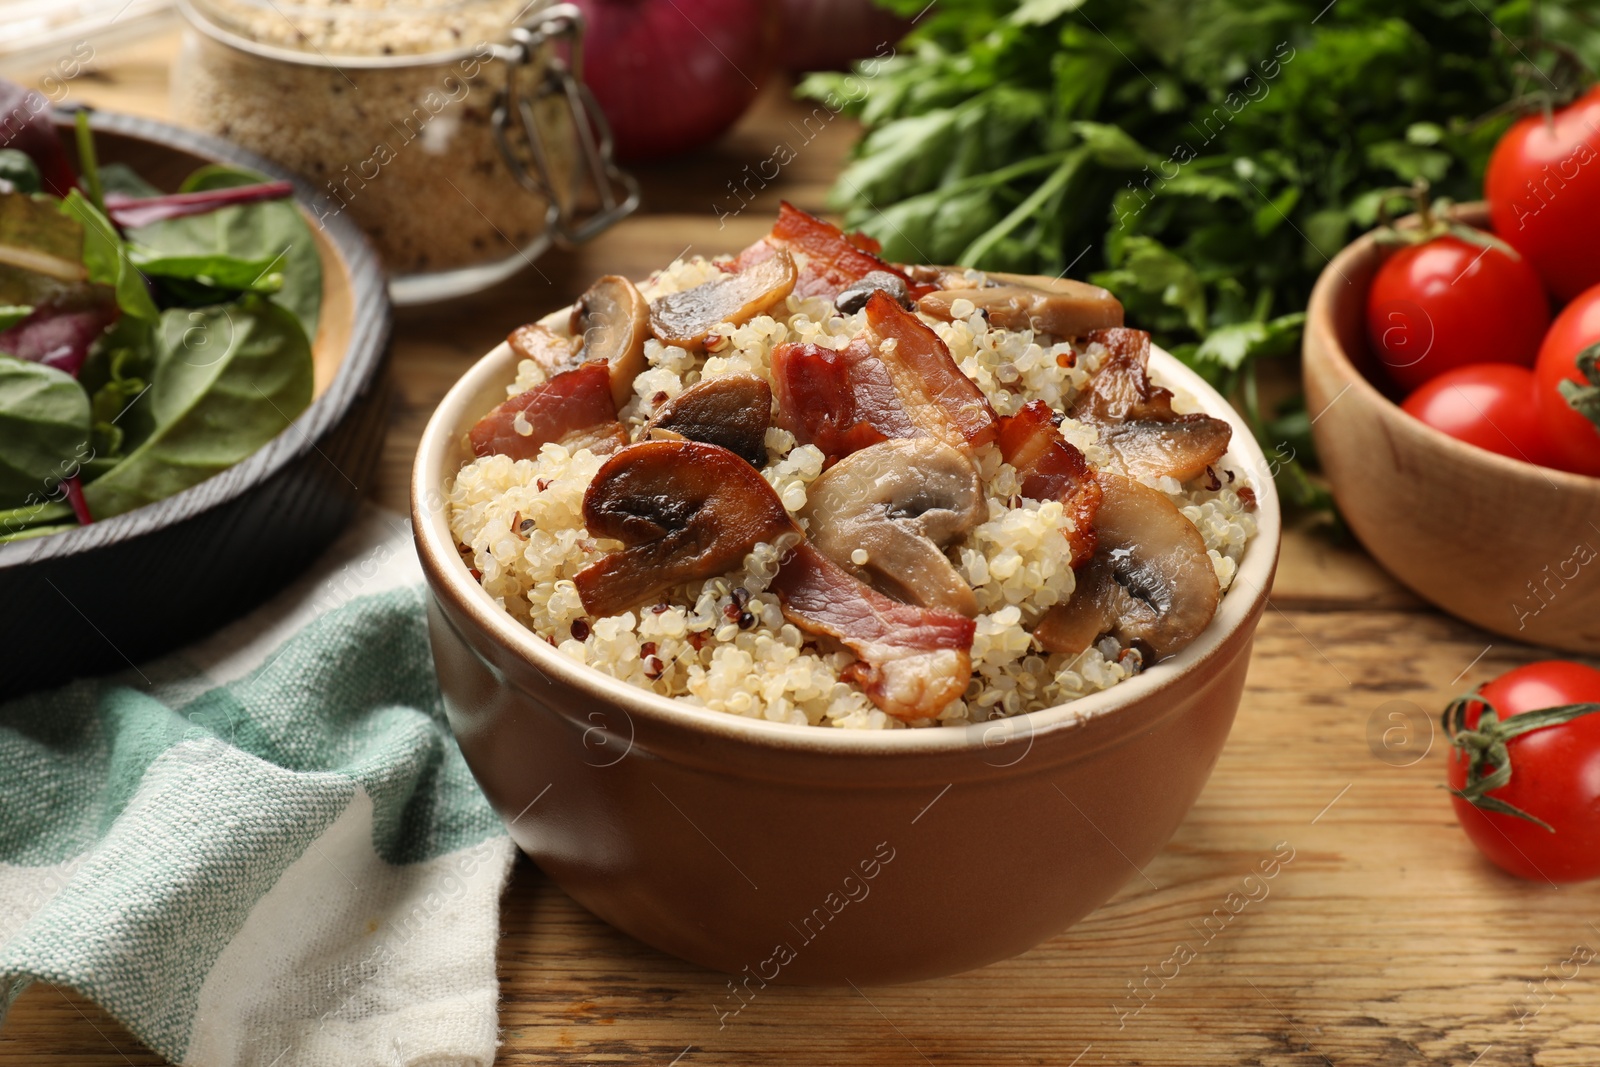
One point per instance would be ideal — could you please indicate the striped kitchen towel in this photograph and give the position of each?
(265, 851)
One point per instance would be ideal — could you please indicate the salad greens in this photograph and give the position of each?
(1202, 159)
(147, 341)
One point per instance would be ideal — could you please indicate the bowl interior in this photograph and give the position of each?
(443, 450)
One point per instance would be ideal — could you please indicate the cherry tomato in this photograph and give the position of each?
(1543, 188)
(1574, 440)
(1486, 404)
(1447, 303)
(1555, 776)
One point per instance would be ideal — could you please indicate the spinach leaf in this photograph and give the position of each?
(123, 179)
(271, 232)
(20, 171)
(215, 272)
(32, 519)
(44, 429)
(106, 258)
(227, 380)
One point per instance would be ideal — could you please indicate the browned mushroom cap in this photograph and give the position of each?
(732, 411)
(550, 351)
(900, 502)
(1059, 307)
(1150, 584)
(612, 321)
(683, 509)
(1135, 416)
(685, 318)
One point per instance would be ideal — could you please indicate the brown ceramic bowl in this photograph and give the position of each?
(1503, 544)
(811, 855)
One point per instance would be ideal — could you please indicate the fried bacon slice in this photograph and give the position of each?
(1136, 419)
(840, 401)
(866, 392)
(828, 259)
(1051, 468)
(912, 661)
(934, 392)
(574, 409)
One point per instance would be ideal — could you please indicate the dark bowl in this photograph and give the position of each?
(106, 596)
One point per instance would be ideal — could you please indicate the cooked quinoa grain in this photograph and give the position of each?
(723, 643)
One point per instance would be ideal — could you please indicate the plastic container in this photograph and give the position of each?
(454, 134)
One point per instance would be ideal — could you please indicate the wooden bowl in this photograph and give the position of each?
(1506, 545)
(810, 855)
(109, 595)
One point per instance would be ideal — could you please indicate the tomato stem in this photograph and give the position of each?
(1485, 747)
(1585, 399)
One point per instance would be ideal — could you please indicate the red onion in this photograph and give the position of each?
(671, 75)
(830, 34)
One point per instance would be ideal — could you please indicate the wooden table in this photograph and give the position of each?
(1385, 941)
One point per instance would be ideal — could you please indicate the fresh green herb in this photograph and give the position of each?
(11, 314)
(44, 430)
(227, 380)
(1203, 159)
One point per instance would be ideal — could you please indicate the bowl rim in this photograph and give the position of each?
(1322, 344)
(448, 576)
(369, 338)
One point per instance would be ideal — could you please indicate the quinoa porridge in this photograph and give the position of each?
(957, 496)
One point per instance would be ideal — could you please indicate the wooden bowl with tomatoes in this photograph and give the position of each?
(1450, 474)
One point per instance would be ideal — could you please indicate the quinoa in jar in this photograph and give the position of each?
(391, 112)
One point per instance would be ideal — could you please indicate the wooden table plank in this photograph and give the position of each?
(1385, 940)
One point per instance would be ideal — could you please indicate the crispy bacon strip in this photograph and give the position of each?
(574, 409)
(828, 258)
(839, 401)
(1053, 469)
(1136, 418)
(913, 661)
(934, 392)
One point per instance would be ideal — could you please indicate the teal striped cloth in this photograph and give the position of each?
(265, 851)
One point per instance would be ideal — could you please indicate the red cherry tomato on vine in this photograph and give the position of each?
(1489, 405)
(1543, 188)
(1574, 439)
(1448, 303)
(1555, 777)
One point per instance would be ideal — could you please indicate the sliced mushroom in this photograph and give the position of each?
(1059, 307)
(912, 661)
(853, 297)
(1150, 584)
(1136, 419)
(900, 502)
(613, 320)
(685, 318)
(684, 510)
(574, 409)
(733, 411)
(549, 351)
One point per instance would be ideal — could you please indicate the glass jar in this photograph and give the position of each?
(455, 134)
